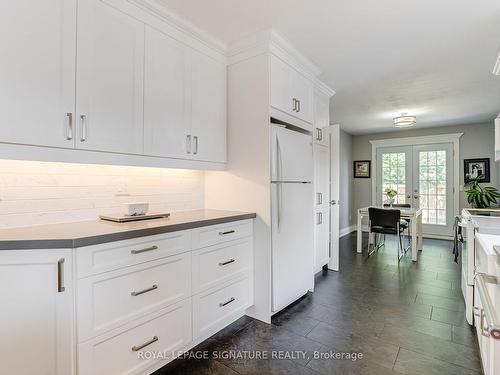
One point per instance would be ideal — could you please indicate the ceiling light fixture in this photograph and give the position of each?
(404, 121)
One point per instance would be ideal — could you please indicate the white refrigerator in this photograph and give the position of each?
(292, 215)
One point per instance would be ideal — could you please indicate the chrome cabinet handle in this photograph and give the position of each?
(227, 262)
(188, 144)
(142, 346)
(319, 199)
(228, 232)
(151, 248)
(319, 220)
(294, 104)
(60, 275)
(319, 134)
(83, 122)
(135, 294)
(232, 299)
(195, 139)
(298, 105)
(69, 128)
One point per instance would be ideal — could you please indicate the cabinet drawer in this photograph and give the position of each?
(216, 264)
(215, 234)
(96, 259)
(168, 330)
(112, 299)
(214, 309)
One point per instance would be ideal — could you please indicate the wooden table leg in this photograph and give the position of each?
(359, 245)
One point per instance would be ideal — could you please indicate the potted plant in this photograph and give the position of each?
(390, 194)
(481, 197)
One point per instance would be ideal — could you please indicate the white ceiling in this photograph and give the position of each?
(431, 58)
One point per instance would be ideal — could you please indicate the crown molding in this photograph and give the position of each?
(269, 41)
(161, 11)
(323, 87)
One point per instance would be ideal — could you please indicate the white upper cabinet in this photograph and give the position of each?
(303, 93)
(109, 79)
(291, 92)
(167, 90)
(208, 109)
(321, 118)
(37, 71)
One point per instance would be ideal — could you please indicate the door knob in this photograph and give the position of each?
(415, 196)
(333, 202)
(408, 196)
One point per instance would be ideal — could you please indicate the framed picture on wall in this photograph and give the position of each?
(362, 168)
(477, 169)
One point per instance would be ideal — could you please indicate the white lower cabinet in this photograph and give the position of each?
(36, 316)
(214, 308)
(108, 300)
(321, 238)
(125, 351)
(159, 294)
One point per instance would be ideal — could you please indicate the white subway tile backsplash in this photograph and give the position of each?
(33, 193)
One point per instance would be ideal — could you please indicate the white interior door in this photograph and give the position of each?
(422, 175)
(433, 187)
(334, 136)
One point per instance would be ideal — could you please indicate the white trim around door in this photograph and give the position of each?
(453, 138)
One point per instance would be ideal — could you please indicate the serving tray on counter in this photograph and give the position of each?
(129, 218)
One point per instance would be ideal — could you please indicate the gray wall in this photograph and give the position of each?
(477, 142)
(346, 181)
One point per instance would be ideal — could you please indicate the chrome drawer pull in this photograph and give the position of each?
(137, 348)
(227, 262)
(135, 294)
(60, 276)
(144, 250)
(228, 232)
(227, 303)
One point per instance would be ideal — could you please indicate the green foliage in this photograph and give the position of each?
(480, 197)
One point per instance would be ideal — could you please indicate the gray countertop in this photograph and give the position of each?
(86, 233)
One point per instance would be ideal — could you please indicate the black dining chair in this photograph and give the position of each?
(386, 221)
(403, 205)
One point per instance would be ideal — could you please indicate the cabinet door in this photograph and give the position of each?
(303, 93)
(36, 316)
(37, 71)
(208, 109)
(109, 79)
(281, 86)
(321, 176)
(166, 96)
(321, 238)
(321, 118)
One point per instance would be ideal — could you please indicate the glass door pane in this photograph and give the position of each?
(394, 172)
(433, 190)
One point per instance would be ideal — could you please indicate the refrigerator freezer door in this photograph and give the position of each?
(291, 155)
(292, 242)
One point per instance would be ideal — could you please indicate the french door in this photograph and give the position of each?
(422, 175)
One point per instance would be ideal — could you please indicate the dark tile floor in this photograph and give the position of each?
(404, 318)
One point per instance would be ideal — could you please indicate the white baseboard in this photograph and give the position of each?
(345, 231)
(365, 228)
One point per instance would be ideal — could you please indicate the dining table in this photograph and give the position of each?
(413, 215)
